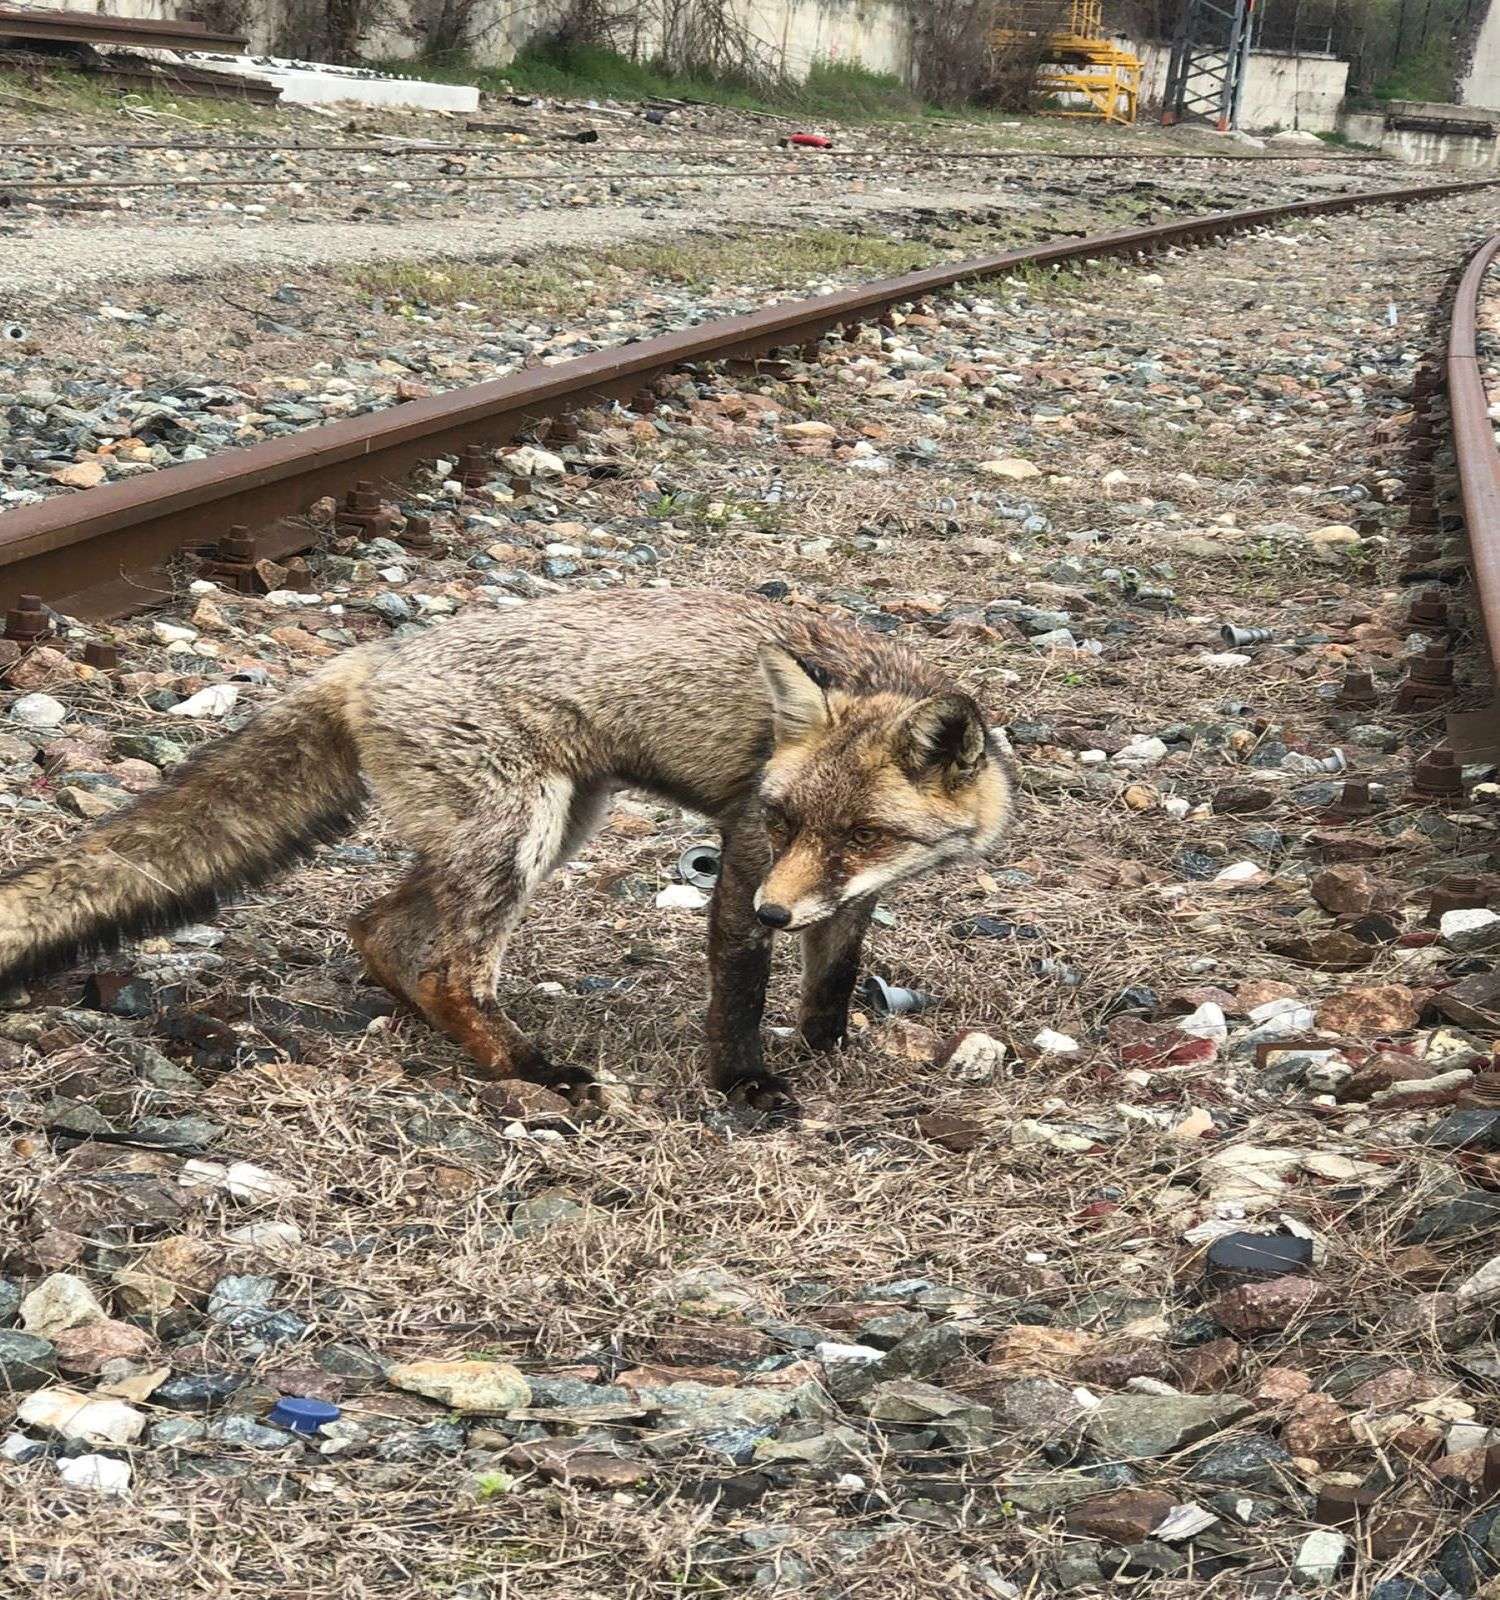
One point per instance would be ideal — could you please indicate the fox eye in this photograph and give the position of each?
(778, 824)
(865, 837)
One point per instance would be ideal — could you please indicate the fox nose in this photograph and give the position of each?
(773, 916)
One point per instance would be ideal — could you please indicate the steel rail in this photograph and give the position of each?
(1477, 459)
(89, 554)
(82, 27)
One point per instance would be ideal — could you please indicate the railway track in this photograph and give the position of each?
(93, 555)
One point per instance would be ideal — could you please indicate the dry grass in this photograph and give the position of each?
(405, 1184)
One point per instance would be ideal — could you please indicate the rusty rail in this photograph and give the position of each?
(1476, 734)
(89, 554)
(84, 27)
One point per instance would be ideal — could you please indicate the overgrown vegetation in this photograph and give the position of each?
(91, 93)
(564, 70)
(564, 284)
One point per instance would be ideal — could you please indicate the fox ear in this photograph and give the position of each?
(798, 705)
(943, 734)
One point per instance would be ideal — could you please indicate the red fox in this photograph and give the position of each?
(835, 764)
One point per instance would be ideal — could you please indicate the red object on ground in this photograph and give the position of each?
(813, 141)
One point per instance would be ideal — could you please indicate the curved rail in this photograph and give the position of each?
(1477, 460)
(87, 554)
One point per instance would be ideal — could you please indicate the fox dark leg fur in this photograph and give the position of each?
(830, 964)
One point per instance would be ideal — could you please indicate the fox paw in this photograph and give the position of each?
(766, 1097)
(822, 1036)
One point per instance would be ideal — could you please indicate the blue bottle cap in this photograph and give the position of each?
(302, 1415)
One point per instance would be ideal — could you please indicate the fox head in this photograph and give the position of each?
(863, 791)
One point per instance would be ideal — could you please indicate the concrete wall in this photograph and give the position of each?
(1479, 80)
(1420, 147)
(1281, 91)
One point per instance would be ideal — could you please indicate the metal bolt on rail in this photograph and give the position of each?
(1459, 893)
(1438, 774)
(1357, 691)
(1429, 681)
(1356, 799)
(101, 656)
(27, 621)
(1429, 610)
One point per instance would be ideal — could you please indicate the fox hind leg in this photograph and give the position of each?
(437, 940)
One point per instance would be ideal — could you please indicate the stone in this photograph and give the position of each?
(1252, 1462)
(467, 1386)
(175, 1271)
(1467, 1130)
(1319, 1557)
(1269, 1305)
(1367, 1013)
(1282, 1385)
(1470, 931)
(80, 475)
(72, 1415)
(84, 1352)
(1318, 1427)
(972, 1058)
(1036, 1408)
(1124, 1517)
(27, 1362)
(1010, 467)
(233, 1427)
(1136, 1426)
(197, 1391)
(579, 1464)
(1468, 1211)
(39, 711)
(59, 1302)
(1207, 1368)
(1347, 890)
(551, 1209)
(1117, 1363)
(962, 1423)
(105, 1475)
(1481, 1288)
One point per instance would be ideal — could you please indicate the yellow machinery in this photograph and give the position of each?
(1075, 59)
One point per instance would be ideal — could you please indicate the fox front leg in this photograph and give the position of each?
(830, 964)
(739, 965)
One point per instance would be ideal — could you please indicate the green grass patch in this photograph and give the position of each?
(569, 283)
(836, 90)
(92, 94)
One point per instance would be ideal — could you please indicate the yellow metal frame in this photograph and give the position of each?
(1081, 61)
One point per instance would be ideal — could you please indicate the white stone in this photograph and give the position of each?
(245, 1181)
(976, 1058)
(1483, 1287)
(39, 711)
(1012, 467)
(531, 462)
(1052, 1043)
(80, 1416)
(1334, 533)
(858, 1355)
(1092, 758)
(60, 1302)
(15, 1445)
(217, 700)
(172, 633)
(268, 1236)
(681, 897)
(104, 1474)
(1183, 1522)
(1319, 1557)
(1240, 872)
(1207, 1022)
(1474, 929)
(1144, 752)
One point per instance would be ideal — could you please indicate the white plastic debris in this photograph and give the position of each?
(681, 897)
(1052, 1043)
(856, 1355)
(245, 1181)
(216, 700)
(1183, 1522)
(104, 1474)
(172, 633)
(1240, 872)
(1207, 1022)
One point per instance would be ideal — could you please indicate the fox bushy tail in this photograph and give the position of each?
(236, 812)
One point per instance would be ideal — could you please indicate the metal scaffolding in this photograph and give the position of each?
(1089, 74)
(1206, 76)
